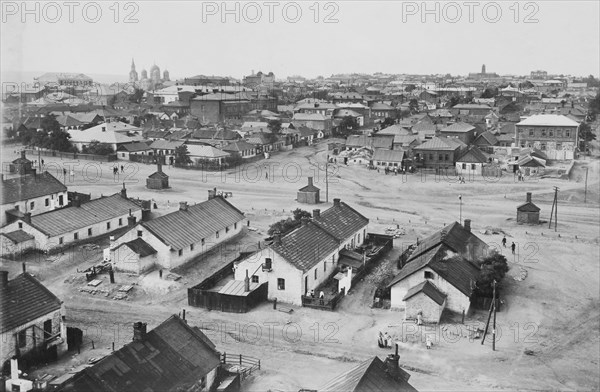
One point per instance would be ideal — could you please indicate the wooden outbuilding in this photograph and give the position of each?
(309, 194)
(158, 179)
(528, 213)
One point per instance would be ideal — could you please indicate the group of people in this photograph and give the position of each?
(520, 176)
(384, 340)
(321, 296)
(512, 246)
(461, 180)
(116, 170)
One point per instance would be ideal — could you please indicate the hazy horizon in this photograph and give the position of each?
(391, 37)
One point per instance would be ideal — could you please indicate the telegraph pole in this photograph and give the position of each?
(554, 210)
(460, 209)
(585, 192)
(494, 325)
(327, 179)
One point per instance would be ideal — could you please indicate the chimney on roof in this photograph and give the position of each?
(23, 154)
(76, 201)
(159, 166)
(212, 193)
(277, 238)
(124, 192)
(316, 213)
(183, 206)
(246, 283)
(393, 367)
(304, 221)
(443, 235)
(528, 198)
(3, 279)
(310, 181)
(131, 220)
(139, 331)
(336, 202)
(467, 225)
(27, 217)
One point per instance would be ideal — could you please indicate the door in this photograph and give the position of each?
(306, 285)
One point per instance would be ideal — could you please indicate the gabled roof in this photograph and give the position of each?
(382, 141)
(26, 299)
(166, 144)
(66, 220)
(528, 207)
(239, 146)
(459, 127)
(196, 150)
(358, 141)
(309, 188)
(139, 246)
(441, 144)
(171, 357)
(396, 130)
(369, 376)
(309, 117)
(548, 120)
(180, 229)
(381, 106)
(424, 127)
(486, 138)
(18, 236)
(30, 186)
(134, 147)
(473, 155)
(342, 221)
(405, 140)
(388, 155)
(429, 290)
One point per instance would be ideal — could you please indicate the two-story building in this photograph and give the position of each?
(304, 258)
(463, 131)
(555, 135)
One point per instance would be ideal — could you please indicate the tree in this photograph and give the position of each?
(348, 125)
(137, 95)
(97, 148)
(489, 92)
(274, 126)
(387, 122)
(300, 213)
(594, 107)
(52, 137)
(182, 156)
(586, 134)
(413, 105)
(493, 267)
(409, 88)
(286, 225)
(454, 100)
(136, 121)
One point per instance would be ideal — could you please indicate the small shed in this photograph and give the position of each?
(424, 299)
(21, 165)
(528, 213)
(309, 194)
(158, 179)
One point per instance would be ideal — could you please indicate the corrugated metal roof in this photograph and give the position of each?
(68, 219)
(171, 357)
(369, 376)
(388, 155)
(26, 299)
(30, 186)
(180, 229)
(429, 290)
(236, 287)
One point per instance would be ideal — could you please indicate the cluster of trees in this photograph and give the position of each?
(286, 225)
(348, 126)
(97, 148)
(50, 137)
(493, 268)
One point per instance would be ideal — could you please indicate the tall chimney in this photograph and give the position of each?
(183, 206)
(159, 166)
(528, 199)
(467, 225)
(277, 238)
(211, 194)
(113, 243)
(3, 279)
(139, 331)
(27, 217)
(310, 180)
(336, 202)
(246, 283)
(392, 365)
(124, 192)
(316, 213)
(131, 220)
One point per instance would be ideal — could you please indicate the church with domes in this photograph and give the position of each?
(148, 83)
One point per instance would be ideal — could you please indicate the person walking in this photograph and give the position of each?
(428, 343)
(122, 169)
(504, 241)
(512, 247)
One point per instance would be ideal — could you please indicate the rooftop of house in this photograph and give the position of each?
(24, 299)
(548, 120)
(459, 127)
(473, 155)
(384, 155)
(30, 186)
(441, 144)
(428, 289)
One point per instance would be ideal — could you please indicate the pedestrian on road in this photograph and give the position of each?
(428, 343)
(504, 241)
(513, 246)
(122, 168)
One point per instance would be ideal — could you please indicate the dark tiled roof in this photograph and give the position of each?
(306, 246)
(369, 376)
(30, 186)
(342, 221)
(158, 175)
(140, 247)
(134, 147)
(172, 357)
(25, 300)
(238, 146)
(165, 144)
(473, 155)
(65, 220)
(458, 127)
(309, 188)
(429, 290)
(180, 229)
(388, 155)
(486, 138)
(382, 141)
(528, 207)
(18, 236)
(457, 238)
(437, 144)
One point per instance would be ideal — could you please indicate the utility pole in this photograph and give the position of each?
(554, 210)
(585, 192)
(494, 325)
(327, 179)
(460, 210)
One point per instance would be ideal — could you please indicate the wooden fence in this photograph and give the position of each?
(244, 365)
(71, 155)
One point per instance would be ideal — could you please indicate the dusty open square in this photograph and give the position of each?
(553, 312)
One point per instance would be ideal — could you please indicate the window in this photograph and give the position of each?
(567, 133)
(551, 133)
(76, 236)
(120, 221)
(464, 166)
(531, 132)
(180, 252)
(543, 132)
(558, 146)
(315, 274)
(61, 240)
(447, 157)
(32, 205)
(543, 146)
(217, 234)
(235, 226)
(254, 278)
(90, 231)
(60, 200)
(20, 225)
(227, 229)
(428, 275)
(431, 157)
(22, 338)
(439, 157)
(472, 166)
(268, 263)
(107, 225)
(17, 208)
(47, 202)
(280, 284)
(192, 247)
(47, 328)
(139, 232)
(202, 242)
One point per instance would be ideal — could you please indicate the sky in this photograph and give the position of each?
(300, 38)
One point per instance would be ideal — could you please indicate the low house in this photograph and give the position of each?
(166, 148)
(124, 151)
(315, 121)
(31, 194)
(446, 260)
(309, 194)
(240, 148)
(372, 375)
(382, 141)
(396, 130)
(388, 158)
(158, 179)
(21, 165)
(471, 162)
(343, 113)
(171, 357)
(206, 153)
(306, 134)
(528, 213)
(304, 258)
(16, 243)
(174, 239)
(113, 133)
(438, 153)
(80, 222)
(486, 141)
(31, 323)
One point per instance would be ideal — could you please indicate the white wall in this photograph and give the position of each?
(39, 205)
(468, 170)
